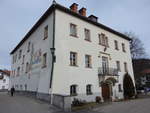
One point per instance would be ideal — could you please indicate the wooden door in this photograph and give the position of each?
(106, 92)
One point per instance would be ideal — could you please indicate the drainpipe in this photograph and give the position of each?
(53, 51)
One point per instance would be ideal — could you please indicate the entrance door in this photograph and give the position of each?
(106, 92)
(105, 65)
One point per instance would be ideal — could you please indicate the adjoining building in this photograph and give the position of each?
(68, 54)
(4, 80)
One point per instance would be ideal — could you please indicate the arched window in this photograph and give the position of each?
(89, 89)
(73, 90)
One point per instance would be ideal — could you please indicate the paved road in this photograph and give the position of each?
(22, 104)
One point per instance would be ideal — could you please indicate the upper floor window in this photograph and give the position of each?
(44, 59)
(20, 52)
(116, 44)
(46, 32)
(88, 62)
(89, 89)
(73, 30)
(4, 80)
(73, 58)
(23, 59)
(73, 90)
(13, 59)
(27, 67)
(87, 35)
(118, 65)
(18, 71)
(125, 67)
(123, 47)
(103, 40)
(28, 47)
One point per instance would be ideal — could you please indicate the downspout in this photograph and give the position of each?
(53, 55)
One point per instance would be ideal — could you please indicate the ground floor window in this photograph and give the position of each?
(73, 90)
(89, 89)
(119, 88)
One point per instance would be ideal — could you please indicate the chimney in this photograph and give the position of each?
(74, 7)
(93, 18)
(82, 11)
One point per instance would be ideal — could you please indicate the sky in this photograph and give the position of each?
(18, 16)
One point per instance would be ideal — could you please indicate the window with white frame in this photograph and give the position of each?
(73, 90)
(87, 34)
(73, 30)
(123, 47)
(116, 44)
(73, 58)
(46, 32)
(118, 65)
(44, 59)
(18, 71)
(23, 59)
(125, 67)
(4, 80)
(89, 89)
(20, 52)
(103, 40)
(27, 67)
(88, 61)
(28, 49)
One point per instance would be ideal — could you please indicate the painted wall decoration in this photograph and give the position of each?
(36, 58)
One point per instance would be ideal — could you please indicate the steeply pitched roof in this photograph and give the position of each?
(68, 11)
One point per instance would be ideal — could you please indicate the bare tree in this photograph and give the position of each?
(136, 46)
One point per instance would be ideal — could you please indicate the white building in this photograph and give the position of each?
(69, 54)
(4, 80)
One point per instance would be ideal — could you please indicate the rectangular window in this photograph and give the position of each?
(18, 71)
(103, 40)
(118, 65)
(73, 30)
(89, 89)
(20, 52)
(123, 47)
(23, 59)
(28, 50)
(88, 63)
(73, 58)
(46, 32)
(87, 35)
(73, 90)
(119, 88)
(116, 45)
(125, 67)
(44, 59)
(13, 59)
(4, 80)
(27, 67)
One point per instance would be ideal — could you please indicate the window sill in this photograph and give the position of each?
(117, 49)
(89, 93)
(87, 40)
(74, 36)
(89, 67)
(104, 45)
(73, 94)
(74, 65)
(44, 66)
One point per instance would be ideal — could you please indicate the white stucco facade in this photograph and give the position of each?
(64, 75)
(4, 81)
